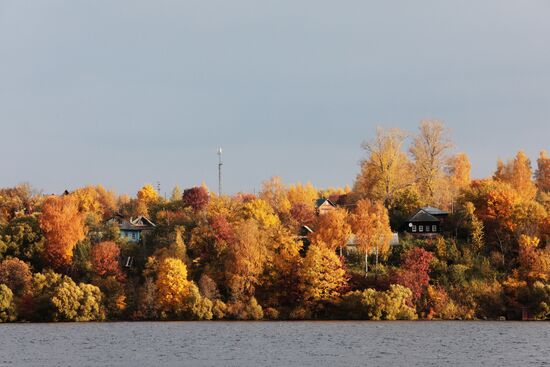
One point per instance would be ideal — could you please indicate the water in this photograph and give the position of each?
(276, 344)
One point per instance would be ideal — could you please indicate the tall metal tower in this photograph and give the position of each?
(220, 164)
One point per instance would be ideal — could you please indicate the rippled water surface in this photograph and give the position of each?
(276, 344)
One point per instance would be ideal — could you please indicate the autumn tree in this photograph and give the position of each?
(414, 272)
(63, 226)
(177, 193)
(299, 194)
(429, 150)
(459, 168)
(333, 230)
(261, 212)
(458, 175)
(7, 305)
(146, 196)
(475, 226)
(23, 238)
(105, 260)
(16, 275)
(58, 298)
(246, 260)
(274, 192)
(176, 296)
(371, 225)
(322, 276)
(196, 197)
(542, 174)
(16, 201)
(386, 170)
(534, 262)
(518, 174)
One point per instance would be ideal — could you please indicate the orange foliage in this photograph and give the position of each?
(333, 229)
(105, 260)
(63, 226)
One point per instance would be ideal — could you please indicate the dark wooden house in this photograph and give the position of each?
(426, 221)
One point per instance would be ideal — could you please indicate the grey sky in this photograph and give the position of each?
(128, 92)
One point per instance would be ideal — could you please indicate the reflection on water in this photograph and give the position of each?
(276, 344)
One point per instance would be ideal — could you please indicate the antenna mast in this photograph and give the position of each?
(220, 164)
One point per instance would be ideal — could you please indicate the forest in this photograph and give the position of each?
(247, 257)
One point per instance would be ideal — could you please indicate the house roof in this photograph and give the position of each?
(138, 224)
(321, 201)
(423, 216)
(434, 211)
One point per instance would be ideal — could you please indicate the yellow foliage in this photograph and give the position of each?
(262, 212)
(302, 194)
(172, 285)
(371, 225)
(321, 275)
(147, 194)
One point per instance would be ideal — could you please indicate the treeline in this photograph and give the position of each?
(249, 257)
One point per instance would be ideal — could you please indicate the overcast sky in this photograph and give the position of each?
(128, 92)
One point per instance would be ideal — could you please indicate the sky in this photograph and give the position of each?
(125, 93)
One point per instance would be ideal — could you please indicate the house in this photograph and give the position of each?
(132, 229)
(324, 206)
(426, 221)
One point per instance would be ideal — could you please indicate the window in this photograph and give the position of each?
(420, 228)
(434, 228)
(414, 227)
(427, 228)
(134, 235)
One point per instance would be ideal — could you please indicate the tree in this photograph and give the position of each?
(370, 304)
(371, 225)
(475, 226)
(246, 259)
(303, 195)
(176, 296)
(177, 194)
(63, 226)
(459, 168)
(322, 276)
(414, 271)
(172, 285)
(16, 274)
(196, 197)
(333, 229)
(58, 298)
(274, 193)
(262, 212)
(105, 260)
(303, 214)
(542, 174)
(7, 306)
(519, 175)
(72, 302)
(16, 201)
(23, 239)
(429, 150)
(147, 194)
(534, 263)
(386, 170)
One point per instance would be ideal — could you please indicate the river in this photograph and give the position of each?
(276, 344)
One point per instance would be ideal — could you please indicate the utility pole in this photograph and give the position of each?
(220, 164)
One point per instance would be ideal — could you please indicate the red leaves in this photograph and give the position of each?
(414, 271)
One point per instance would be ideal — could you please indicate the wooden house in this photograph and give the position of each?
(426, 221)
(134, 228)
(324, 206)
